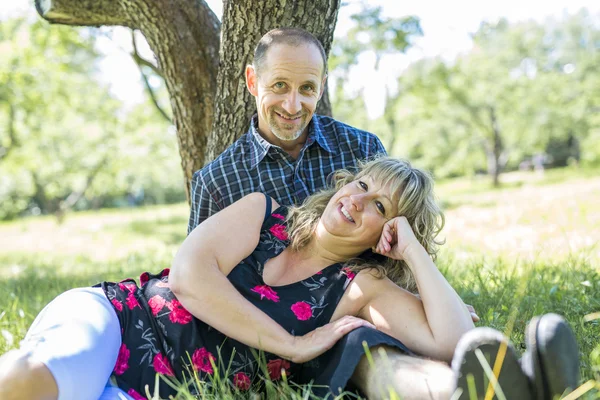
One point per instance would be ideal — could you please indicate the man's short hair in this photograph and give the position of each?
(287, 36)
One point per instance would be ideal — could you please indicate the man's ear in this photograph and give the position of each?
(251, 80)
(323, 83)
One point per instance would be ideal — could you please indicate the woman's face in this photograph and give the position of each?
(358, 211)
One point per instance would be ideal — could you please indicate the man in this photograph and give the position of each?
(288, 153)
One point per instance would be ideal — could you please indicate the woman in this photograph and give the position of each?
(290, 283)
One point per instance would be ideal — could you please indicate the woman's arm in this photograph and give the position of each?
(199, 280)
(431, 325)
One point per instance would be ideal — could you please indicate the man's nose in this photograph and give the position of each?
(291, 104)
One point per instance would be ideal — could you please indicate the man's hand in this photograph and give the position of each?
(317, 342)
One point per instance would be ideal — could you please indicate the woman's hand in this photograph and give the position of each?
(317, 342)
(396, 238)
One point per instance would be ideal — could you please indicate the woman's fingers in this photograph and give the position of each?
(348, 323)
(322, 339)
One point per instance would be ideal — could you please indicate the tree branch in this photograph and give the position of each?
(72, 199)
(83, 12)
(140, 62)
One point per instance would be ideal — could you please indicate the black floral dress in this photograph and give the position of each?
(159, 336)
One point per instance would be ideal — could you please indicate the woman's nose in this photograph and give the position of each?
(358, 201)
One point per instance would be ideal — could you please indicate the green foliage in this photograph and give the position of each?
(524, 89)
(64, 141)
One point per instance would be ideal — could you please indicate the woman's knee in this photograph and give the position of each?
(22, 377)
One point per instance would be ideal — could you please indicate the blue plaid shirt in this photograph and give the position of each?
(251, 164)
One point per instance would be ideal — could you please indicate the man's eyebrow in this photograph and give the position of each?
(282, 79)
(314, 83)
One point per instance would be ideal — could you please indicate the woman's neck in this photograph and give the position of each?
(325, 251)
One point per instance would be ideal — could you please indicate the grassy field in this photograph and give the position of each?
(529, 248)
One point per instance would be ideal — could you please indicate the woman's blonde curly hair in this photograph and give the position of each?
(416, 202)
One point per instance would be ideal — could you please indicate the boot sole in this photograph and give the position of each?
(502, 360)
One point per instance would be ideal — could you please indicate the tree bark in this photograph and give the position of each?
(205, 80)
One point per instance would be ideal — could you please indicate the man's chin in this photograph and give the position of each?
(286, 135)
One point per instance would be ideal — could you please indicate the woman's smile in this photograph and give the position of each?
(345, 213)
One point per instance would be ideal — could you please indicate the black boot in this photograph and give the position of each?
(480, 348)
(552, 359)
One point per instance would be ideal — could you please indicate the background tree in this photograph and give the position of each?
(201, 59)
(65, 142)
(380, 35)
(525, 91)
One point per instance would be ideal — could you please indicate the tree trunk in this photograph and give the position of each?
(204, 77)
(495, 150)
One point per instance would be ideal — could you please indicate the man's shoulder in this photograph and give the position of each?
(331, 126)
(236, 156)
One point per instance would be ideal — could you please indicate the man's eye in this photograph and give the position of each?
(380, 207)
(363, 185)
(307, 88)
(279, 85)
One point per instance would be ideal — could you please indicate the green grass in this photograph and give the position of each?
(512, 253)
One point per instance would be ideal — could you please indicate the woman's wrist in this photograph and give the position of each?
(413, 254)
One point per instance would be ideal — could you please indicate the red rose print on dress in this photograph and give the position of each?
(302, 310)
(156, 304)
(348, 272)
(279, 232)
(278, 216)
(122, 363)
(276, 366)
(266, 291)
(144, 278)
(132, 301)
(201, 360)
(241, 381)
(162, 366)
(136, 395)
(129, 287)
(178, 315)
(118, 305)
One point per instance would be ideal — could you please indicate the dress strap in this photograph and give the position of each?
(269, 206)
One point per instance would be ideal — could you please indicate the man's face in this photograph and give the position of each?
(290, 84)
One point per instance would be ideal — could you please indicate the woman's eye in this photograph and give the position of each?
(363, 185)
(380, 207)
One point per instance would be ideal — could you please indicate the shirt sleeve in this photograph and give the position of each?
(202, 202)
(375, 148)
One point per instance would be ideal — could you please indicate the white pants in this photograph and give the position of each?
(77, 336)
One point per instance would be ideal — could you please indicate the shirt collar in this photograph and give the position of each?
(260, 146)
(317, 130)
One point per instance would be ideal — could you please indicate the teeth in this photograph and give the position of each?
(346, 214)
(284, 117)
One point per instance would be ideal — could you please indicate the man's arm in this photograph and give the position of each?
(202, 202)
